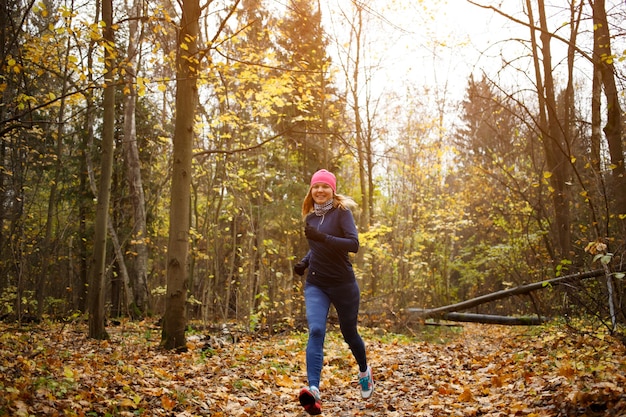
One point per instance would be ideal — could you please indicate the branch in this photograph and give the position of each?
(493, 319)
(532, 26)
(234, 151)
(523, 289)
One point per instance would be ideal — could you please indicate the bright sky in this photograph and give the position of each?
(401, 49)
(438, 44)
(434, 43)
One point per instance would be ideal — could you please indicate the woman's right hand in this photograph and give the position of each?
(299, 268)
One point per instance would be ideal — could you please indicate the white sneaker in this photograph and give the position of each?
(366, 382)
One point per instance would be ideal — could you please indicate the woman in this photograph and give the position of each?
(331, 233)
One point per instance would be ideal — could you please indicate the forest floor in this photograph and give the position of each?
(473, 370)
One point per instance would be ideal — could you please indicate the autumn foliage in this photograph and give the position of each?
(494, 179)
(474, 370)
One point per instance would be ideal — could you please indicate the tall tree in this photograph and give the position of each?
(551, 130)
(604, 71)
(138, 285)
(47, 250)
(187, 67)
(188, 64)
(495, 182)
(12, 151)
(80, 286)
(312, 117)
(97, 328)
(363, 145)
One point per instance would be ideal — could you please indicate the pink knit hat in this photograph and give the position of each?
(326, 177)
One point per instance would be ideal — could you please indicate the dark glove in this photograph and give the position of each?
(312, 233)
(299, 268)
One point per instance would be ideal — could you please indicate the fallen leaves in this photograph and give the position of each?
(481, 370)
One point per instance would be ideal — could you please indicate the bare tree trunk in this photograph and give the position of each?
(97, 329)
(174, 323)
(604, 70)
(493, 319)
(138, 290)
(47, 251)
(4, 244)
(555, 149)
(558, 156)
(112, 233)
(81, 286)
(596, 115)
(357, 28)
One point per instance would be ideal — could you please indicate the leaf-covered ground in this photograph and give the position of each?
(476, 370)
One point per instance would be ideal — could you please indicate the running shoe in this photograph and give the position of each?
(310, 400)
(366, 382)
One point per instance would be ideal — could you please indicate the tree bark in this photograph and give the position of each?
(80, 288)
(137, 293)
(359, 134)
(493, 319)
(552, 138)
(97, 328)
(174, 323)
(47, 248)
(523, 289)
(604, 69)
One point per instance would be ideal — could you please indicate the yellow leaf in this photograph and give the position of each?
(167, 402)
(547, 174)
(466, 396)
(68, 373)
(284, 381)
(127, 402)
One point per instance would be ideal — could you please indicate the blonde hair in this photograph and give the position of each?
(339, 200)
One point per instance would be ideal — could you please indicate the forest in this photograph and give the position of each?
(155, 156)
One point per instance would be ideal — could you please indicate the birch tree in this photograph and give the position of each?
(138, 290)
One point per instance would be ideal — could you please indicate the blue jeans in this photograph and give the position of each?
(346, 299)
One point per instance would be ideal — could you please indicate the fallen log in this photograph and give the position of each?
(522, 289)
(494, 319)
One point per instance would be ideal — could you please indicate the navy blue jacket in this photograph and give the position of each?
(328, 261)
